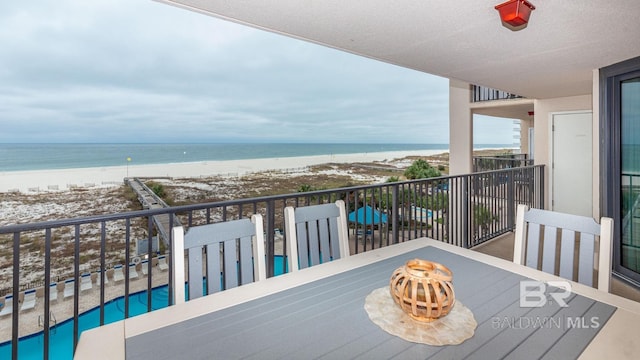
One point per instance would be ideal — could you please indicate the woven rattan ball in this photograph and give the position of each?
(423, 289)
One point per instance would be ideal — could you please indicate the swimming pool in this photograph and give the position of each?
(61, 335)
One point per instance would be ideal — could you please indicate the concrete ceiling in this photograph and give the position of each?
(512, 109)
(465, 40)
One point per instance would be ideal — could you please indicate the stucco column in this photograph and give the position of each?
(460, 128)
(525, 124)
(460, 161)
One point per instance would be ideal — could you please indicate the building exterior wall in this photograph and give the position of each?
(525, 124)
(461, 130)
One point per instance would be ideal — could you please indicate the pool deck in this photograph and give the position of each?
(62, 308)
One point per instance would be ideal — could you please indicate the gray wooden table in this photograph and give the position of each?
(325, 318)
(318, 313)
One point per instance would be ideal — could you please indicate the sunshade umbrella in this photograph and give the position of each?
(364, 216)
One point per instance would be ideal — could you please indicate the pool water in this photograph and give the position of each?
(61, 335)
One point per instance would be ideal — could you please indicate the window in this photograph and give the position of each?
(620, 162)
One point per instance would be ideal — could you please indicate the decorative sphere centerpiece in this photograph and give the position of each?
(423, 289)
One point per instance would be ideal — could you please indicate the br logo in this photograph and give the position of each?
(534, 293)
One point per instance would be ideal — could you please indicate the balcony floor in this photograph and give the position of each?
(502, 247)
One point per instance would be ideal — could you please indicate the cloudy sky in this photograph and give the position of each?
(141, 71)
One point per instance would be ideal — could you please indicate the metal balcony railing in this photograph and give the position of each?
(463, 210)
(481, 93)
(497, 162)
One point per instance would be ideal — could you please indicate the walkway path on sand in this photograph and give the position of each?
(150, 200)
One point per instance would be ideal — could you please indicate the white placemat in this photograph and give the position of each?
(454, 328)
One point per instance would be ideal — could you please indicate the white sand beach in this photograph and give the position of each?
(65, 179)
(44, 195)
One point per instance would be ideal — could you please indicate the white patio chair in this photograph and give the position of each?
(536, 229)
(118, 273)
(29, 300)
(98, 274)
(162, 263)
(7, 309)
(85, 282)
(133, 274)
(144, 266)
(53, 292)
(69, 288)
(315, 234)
(234, 256)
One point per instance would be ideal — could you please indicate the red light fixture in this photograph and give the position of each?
(515, 13)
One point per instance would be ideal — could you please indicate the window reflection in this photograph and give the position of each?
(630, 177)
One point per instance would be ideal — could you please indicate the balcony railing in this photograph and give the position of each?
(497, 162)
(462, 210)
(481, 93)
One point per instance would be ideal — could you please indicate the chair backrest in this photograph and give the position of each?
(234, 256)
(162, 263)
(99, 274)
(144, 266)
(29, 300)
(53, 291)
(69, 287)
(7, 308)
(133, 273)
(29, 294)
(538, 248)
(315, 234)
(8, 302)
(85, 282)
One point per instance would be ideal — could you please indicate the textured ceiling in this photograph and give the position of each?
(553, 57)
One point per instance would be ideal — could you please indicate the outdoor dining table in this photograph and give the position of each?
(319, 313)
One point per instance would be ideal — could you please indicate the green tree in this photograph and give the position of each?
(482, 218)
(439, 201)
(420, 169)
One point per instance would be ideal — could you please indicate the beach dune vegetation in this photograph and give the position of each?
(306, 188)
(421, 169)
(157, 189)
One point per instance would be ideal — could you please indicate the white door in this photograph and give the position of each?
(572, 161)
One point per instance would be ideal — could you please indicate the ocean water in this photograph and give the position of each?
(16, 157)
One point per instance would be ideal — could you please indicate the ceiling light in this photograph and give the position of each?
(515, 13)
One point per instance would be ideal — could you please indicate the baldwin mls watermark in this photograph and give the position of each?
(536, 294)
(545, 322)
